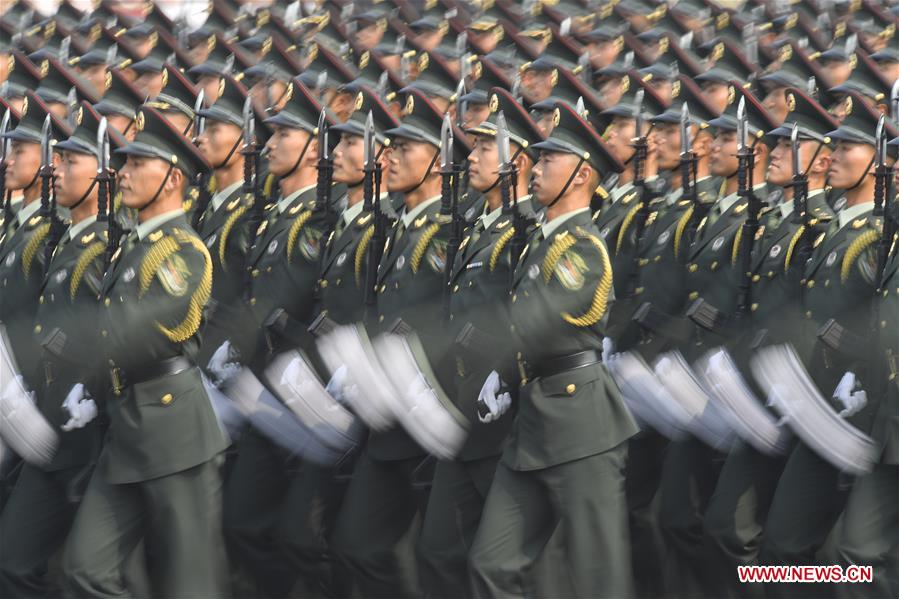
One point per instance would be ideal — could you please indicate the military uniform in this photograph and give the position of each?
(158, 474)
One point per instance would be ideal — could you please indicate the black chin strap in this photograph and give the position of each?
(499, 178)
(84, 197)
(426, 175)
(155, 197)
(230, 154)
(862, 178)
(567, 183)
(296, 164)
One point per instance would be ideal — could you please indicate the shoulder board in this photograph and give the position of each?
(740, 208)
(233, 204)
(419, 222)
(33, 221)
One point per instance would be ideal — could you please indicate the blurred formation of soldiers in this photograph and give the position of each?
(452, 298)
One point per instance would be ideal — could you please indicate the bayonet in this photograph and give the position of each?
(46, 143)
(741, 125)
(638, 112)
(565, 27)
(111, 54)
(685, 142)
(794, 143)
(72, 107)
(751, 43)
(324, 152)
(446, 144)
(580, 108)
(4, 142)
(320, 83)
(894, 101)
(382, 85)
(199, 121)
(851, 45)
(502, 143)
(368, 142)
(880, 143)
(102, 147)
(628, 61)
(811, 87)
(461, 43)
(460, 103)
(249, 124)
(229, 65)
(516, 87)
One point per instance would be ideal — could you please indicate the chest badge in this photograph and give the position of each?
(604, 233)
(273, 246)
(60, 276)
(664, 237)
(716, 245)
(831, 258)
(211, 241)
(400, 262)
(775, 251)
(10, 259)
(128, 275)
(533, 271)
(341, 259)
(469, 214)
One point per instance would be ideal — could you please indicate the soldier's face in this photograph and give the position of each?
(889, 69)
(483, 166)
(663, 87)
(837, 72)
(551, 173)
(603, 53)
(284, 148)
(123, 125)
(74, 176)
(475, 114)
(22, 164)
(140, 179)
(849, 162)
(409, 161)
(717, 94)
(536, 85)
(369, 37)
(349, 160)
(775, 102)
(149, 84)
(667, 136)
(210, 86)
(619, 137)
(96, 76)
(611, 91)
(723, 160)
(217, 140)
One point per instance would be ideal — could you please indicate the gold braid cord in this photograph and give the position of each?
(156, 255)
(226, 230)
(188, 327)
(735, 251)
(681, 227)
(419, 252)
(294, 233)
(500, 245)
(792, 247)
(561, 244)
(90, 253)
(360, 253)
(855, 250)
(601, 296)
(622, 232)
(33, 245)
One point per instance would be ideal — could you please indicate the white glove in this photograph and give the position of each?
(338, 388)
(81, 408)
(497, 405)
(608, 349)
(850, 394)
(222, 368)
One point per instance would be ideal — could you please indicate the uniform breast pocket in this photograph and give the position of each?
(170, 393)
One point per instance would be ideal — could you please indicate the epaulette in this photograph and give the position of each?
(92, 252)
(35, 243)
(226, 230)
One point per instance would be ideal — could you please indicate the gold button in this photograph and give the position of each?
(808, 314)
(324, 283)
(692, 268)
(657, 259)
(383, 288)
(40, 300)
(693, 295)
(106, 302)
(255, 273)
(381, 318)
(512, 328)
(638, 291)
(571, 388)
(756, 278)
(714, 265)
(104, 333)
(770, 274)
(514, 297)
(455, 288)
(252, 301)
(754, 307)
(166, 399)
(810, 284)
(38, 328)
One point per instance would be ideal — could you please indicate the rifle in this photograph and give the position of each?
(449, 204)
(746, 157)
(800, 195)
(204, 195)
(508, 173)
(882, 181)
(105, 178)
(689, 164)
(323, 186)
(641, 152)
(250, 183)
(372, 204)
(48, 197)
(4, 150)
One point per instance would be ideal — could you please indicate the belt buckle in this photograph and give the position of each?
(115, 375)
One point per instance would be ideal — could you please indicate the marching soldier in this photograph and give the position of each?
(282, 266)
(11, 202)
(158, 476)
(35, 522)
(224, 221)
(381, 512)
(734, 518)
(479, 287)
(838, 284)
(562, 467)
(712, 280)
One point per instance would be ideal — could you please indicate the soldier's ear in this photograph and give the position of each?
(176, 179)
(821, 164)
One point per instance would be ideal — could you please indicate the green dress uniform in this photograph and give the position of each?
(36, 520)
(870, 525)
(158, 475)
(479, 323)
(382, 509)
(838, 283)
(225, 229)
(563, 465)
(9, 224)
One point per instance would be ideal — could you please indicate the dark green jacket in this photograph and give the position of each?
(66, 329)
(153, 299)
(226, 233)
(480, 293)
(284, 266)
(410, 282)
(886, 424)
(22, 262)
(560, 296)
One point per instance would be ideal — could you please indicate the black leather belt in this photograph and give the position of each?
(553, 366)
(170, 366)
